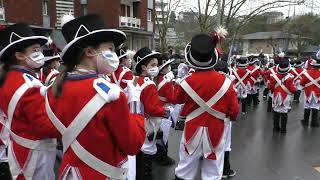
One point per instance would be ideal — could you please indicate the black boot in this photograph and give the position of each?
(306, 115)
(276, 121)
(314, 118)
(255, 99)
(227, 171)
(176, 178)
(5, 171)
(269, 108)
(162, 154)
(244, 105)
(284, 119)
(143, 166)
(249, 100)
(265, 92)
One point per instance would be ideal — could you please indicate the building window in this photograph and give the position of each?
(45, 7)
(84, 9)
(2, 17)
(123, 10)
(149, 15)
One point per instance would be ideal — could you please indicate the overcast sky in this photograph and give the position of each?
(309, 6)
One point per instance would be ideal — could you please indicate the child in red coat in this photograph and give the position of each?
(154, 110)
(282, 86)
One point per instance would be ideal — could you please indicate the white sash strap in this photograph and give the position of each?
(52, 73)
(272, 72)
(298, 76)
(85, 156)
(31, 144)
(81, 120)
(240, 80)
(161, 84)
(115, 79)
(312, 81)
(252, 78)
(279, 83)
(206, 107)
(163, 99)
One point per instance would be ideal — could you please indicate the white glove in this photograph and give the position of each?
(169, 76)
(133, 92)
(182, 70)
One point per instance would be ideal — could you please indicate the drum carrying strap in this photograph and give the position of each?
(298, 76)
(206, 106)
(70, 133)
(312, 81)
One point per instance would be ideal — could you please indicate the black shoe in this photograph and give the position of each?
(283, 130)
(276, 129)
(229, 173)
(314, 124)
(167, 161)
(176, 178)
(304, 122)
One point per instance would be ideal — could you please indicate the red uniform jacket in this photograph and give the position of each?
(125, 73)
(241, 72)
(166, 92)
(287, 81)
(150, 99)
(254, 75)
(228, 104)
(298, 70)
(30, 119)
(314, 73)
(111, 135)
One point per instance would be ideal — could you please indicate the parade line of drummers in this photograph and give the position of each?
(104, 120)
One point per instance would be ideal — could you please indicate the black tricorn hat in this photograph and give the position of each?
(143, 55)
(50, 54)
(164, 61)
(201, 53)
(17, 37)
(122, 52)
(88, 30)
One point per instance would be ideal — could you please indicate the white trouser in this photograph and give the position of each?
(39, 164)
(210, 169)
(131, 166)
(227, 129)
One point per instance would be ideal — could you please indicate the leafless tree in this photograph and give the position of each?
(162, 20)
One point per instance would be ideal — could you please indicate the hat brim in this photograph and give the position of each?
(137, 67)
(98, 36)
(283, 70)
(165, 64)
(21, 44)
(123, 55)
(49, 58)
(195, 65)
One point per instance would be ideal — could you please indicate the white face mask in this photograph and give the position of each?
(108, 63)
(153, 72)
(35, 60)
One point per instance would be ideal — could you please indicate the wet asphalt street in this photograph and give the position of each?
(258, 153)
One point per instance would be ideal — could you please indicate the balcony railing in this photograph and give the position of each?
(129, 22)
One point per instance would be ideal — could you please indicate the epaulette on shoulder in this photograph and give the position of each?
(110, 92)
(147, 80)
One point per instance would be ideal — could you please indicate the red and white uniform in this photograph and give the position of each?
(122, 133)
(297, 73)
(255, 74)
(4, 137)
(153, 111)
(31, 153)
(166, 96)
(308, 65)
(204, 132)
(282, 87)
(310, 81)
(242, 81)
(48, 79)
(267, 77)
(122, 73)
